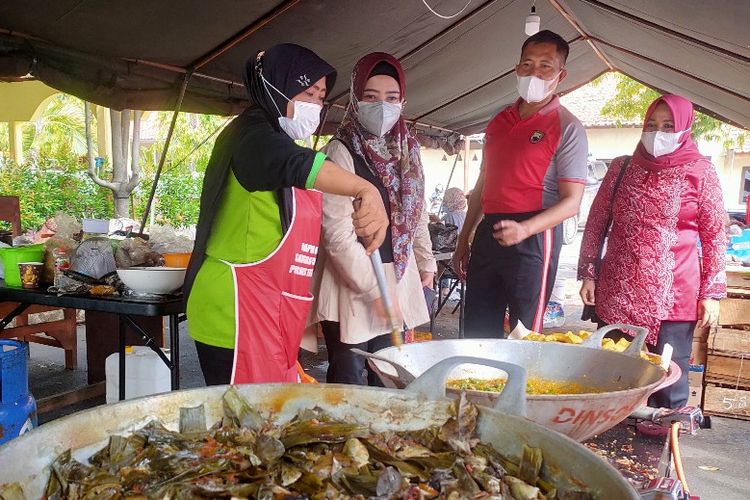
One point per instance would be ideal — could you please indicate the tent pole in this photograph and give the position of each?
(167, 141)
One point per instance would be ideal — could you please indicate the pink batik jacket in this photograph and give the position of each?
(653, 269)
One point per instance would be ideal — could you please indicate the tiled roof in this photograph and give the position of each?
(586, 103)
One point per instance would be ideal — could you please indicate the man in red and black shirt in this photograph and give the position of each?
(532, 179)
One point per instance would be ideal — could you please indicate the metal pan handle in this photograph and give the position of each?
(635, 347)
(512, 399)
(403, 376)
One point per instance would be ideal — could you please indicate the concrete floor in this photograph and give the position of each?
(714, 460)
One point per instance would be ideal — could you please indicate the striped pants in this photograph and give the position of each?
(518, 278)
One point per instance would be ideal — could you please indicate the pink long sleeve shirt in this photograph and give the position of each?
(652, 269)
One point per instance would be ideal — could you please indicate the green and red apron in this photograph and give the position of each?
(272, 299)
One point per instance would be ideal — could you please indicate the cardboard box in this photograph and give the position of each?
(727, 402)
(733, 311)
(728, 370)
(729, 341)
(695, 375)
(695, 395)
(738, 277)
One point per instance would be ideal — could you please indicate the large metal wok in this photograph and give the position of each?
(624, 379)
(26, 459)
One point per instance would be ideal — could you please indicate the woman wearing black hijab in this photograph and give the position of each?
(248, 281)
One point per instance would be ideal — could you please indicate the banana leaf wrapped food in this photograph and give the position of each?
(313, 456)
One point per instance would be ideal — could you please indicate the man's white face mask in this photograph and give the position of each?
(305, 120)
(379, 117)
(660, 143)
(534, 89)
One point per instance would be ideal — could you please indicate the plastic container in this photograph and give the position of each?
(145, 374)
(17, 405)
(13, 256)
(177, 259)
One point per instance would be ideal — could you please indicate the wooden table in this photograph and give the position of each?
(125, 308)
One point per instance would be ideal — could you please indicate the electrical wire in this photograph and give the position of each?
(441, 16)
(676, 456)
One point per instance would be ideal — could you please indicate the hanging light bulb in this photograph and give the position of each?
(532, 22)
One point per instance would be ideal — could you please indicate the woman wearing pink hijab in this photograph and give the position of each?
(653, 273)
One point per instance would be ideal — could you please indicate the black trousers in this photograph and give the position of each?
(216, 363)
(345, 367)
(518, 278)
(679, 334)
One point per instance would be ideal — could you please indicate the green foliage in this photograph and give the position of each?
(58, 186)
(59, 131)
(177, 200)
(190, 133)
(633, 99)
(4, 138)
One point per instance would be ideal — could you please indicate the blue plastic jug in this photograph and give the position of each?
(17, 405)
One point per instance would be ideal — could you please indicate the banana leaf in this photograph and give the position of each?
(354, 449)
(356, 484)
(308, 483)
(459, 430)
(531, 464)
(193, 420)
(12, 491)
(405, 468)
(466, 483)
(489, 483)
(269, 449)
(237, 407)
(502, 464)
(522, 490)
(312, 431)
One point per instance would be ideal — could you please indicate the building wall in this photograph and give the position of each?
(608, 143)
(733, 167)
(437, 171)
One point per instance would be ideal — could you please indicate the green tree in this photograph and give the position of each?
(59, 130)
(192, 142)
(633, 98)
(54, 184)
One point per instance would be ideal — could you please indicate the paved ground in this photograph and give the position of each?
(715, 460)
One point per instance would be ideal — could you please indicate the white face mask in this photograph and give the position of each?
(305, 120)
(534, 89)
(659, 143)
(378, 117)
